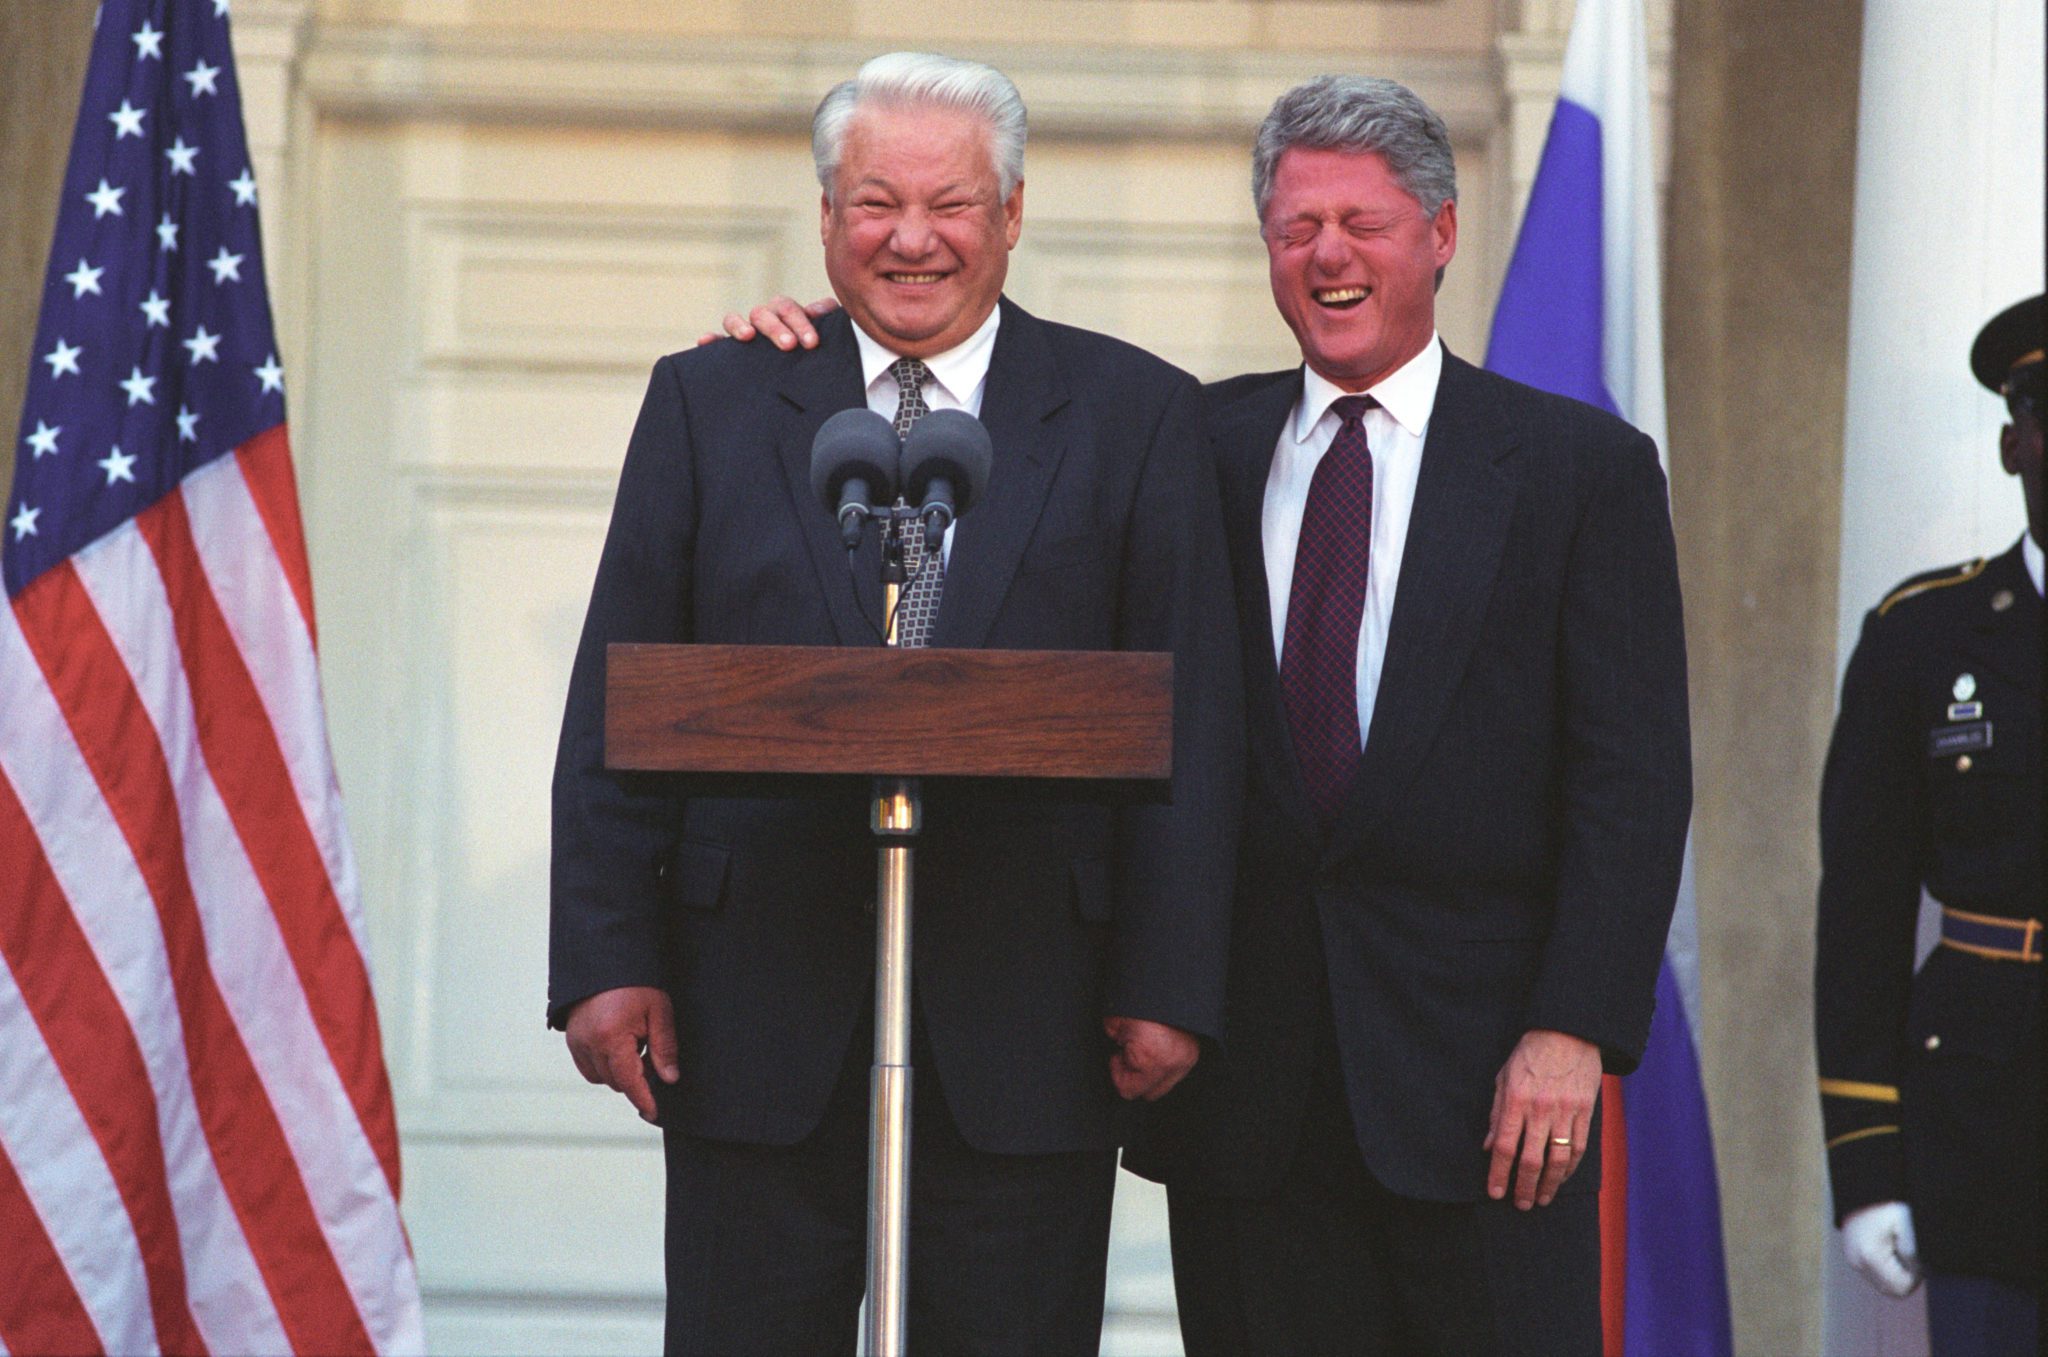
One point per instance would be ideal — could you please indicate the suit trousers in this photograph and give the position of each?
(767, 1245)
(1334, 1263)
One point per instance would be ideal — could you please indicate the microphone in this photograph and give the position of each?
(853, 468)
(946, 463)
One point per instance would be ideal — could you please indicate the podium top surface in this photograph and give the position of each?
(887, 712)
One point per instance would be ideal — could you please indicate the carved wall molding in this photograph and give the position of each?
(774, 84)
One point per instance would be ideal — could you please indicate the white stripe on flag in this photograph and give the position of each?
(91, 860)
(263, 616)
(247, 951)
(1605, 65)
(60, 1167)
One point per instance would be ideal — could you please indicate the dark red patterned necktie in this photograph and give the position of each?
(1319, 650)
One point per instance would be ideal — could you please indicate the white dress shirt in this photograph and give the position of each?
(1395, 432)
(959, 377)
(2030, 552)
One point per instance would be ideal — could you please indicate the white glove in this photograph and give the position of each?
(1879, 1242)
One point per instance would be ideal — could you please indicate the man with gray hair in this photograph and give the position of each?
(1466, 804)
(710, 954)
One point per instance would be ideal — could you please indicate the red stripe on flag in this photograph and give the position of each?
(266, 463)
(29, 1266)
(1613, 1217)
(248, 766)
(89, 1037)
(114, 733)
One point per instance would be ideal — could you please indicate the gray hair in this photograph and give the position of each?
(899, 78)
(1361, 114)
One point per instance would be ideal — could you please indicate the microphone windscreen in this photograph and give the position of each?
(949, 443)
(856, 442)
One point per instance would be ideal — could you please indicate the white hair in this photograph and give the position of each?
(899, 78)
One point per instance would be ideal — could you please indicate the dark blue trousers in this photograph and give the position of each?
(1981, 1317)
(767, 1245)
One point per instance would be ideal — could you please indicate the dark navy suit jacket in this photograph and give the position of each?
(1036, 918)
(1509, 854)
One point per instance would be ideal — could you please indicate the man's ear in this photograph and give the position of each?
(1013, 215)
(1443, 232)
(824, 217)
(2009, 449)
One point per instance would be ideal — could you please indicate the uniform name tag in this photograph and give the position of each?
(1959, 739)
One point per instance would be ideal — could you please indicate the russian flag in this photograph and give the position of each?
(1580, 314)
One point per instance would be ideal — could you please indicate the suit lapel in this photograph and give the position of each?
(1025, 392)
(1456, 531)
(813, 387)
(1245, 434)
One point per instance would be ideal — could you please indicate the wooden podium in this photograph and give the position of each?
(794, 714)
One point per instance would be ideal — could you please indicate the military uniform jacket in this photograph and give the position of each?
(1931, 1083)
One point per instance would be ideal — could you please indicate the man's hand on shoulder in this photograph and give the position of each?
(608, 1032)
(783, 322)
(1542, 1115)
(1150, 1057)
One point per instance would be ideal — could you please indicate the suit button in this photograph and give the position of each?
(1933, 1043)
(1962, 763)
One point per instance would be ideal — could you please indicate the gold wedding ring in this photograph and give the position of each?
(1565, 1141)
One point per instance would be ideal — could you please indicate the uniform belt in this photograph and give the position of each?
(1987, 935)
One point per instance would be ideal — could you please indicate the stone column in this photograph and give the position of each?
(1948, 233)
(1756, 316)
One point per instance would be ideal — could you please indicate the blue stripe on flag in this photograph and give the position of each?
(1547, 328)
(1677, 1287)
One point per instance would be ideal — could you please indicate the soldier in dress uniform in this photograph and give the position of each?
(1931, 1083)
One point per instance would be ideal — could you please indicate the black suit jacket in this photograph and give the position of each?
(1036, 918)
(1509, 854)
(1931, 1081)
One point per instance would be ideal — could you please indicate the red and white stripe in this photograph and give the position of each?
(197, 1145)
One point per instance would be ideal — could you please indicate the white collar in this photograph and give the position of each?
(1408, 393)
(2030, 552)
(959, 369)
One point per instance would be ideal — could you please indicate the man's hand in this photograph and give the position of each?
(609, 1030)
(1150, 1057)
(1880, 1244)
(784, 322)
(1542, 1115)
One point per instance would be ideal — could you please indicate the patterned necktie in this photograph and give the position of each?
(1319, 650)
(917, 607)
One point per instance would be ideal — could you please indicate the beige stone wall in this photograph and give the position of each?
(1339, 26)
(1756, 326)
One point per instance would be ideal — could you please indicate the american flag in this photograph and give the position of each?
(198, 1151)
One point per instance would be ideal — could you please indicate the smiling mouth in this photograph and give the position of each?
(914, 277)
(1341, 298)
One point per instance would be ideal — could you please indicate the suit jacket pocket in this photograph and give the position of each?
(700, 873)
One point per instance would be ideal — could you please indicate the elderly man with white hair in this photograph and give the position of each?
(711, 955)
